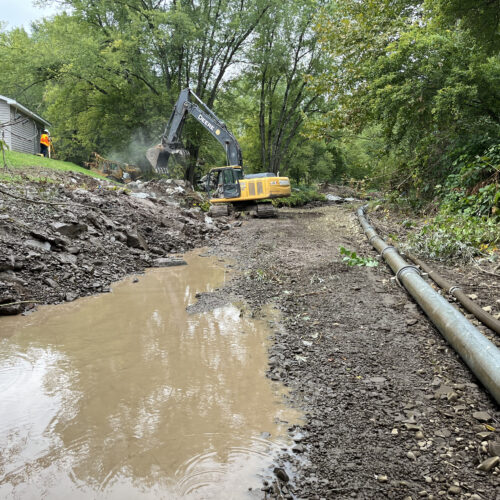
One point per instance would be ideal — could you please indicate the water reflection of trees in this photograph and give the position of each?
(155, 385)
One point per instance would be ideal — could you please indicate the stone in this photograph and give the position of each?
(472, 296)
(333, 198)
(281, 474)
(454, 490)
(71, 230)
(482, 416)
(136, 240)
(411, 455)
(488, 464)
(38, 245)
(168, 262)
(50, 282)
(67, 258)
(494, 448)
(487, 309)
(298, 448)
(382, 478)
(70, 296)
(419, 435)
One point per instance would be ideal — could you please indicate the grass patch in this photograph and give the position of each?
(23, 161)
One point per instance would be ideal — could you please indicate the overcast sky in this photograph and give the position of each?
(22, 12)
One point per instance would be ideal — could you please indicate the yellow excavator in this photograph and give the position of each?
(226, 186)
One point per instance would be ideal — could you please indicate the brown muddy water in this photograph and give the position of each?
(126, 395)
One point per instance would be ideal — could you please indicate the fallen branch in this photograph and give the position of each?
(20, 302)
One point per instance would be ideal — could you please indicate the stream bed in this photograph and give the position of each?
(127, 395)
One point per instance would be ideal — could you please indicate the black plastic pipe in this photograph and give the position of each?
(480, 355)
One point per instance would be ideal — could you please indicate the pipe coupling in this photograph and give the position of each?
(405, 268)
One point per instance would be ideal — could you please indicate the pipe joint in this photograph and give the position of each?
(404, 270)
(387, 248)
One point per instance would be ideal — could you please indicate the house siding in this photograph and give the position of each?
(4, 119)
(24, 133)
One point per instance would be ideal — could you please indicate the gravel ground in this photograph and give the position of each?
(392, 412)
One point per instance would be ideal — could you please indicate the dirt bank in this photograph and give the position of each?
(391, 410)
(70, 235)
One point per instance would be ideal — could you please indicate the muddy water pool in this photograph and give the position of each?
(126, 395)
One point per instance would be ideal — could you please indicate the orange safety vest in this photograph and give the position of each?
(45, 140)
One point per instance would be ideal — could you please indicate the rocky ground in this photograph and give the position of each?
(69, 235)
(391, 411)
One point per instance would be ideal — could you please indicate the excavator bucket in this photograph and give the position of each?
(159, 155)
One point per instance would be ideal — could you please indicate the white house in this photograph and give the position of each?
(20, 127)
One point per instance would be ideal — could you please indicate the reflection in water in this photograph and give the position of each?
(125, 395)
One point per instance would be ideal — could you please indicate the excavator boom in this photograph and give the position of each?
(171, 144)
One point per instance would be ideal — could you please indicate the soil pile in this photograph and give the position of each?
(69, 235)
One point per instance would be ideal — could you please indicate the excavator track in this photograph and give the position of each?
(219, 211)
(266, 211)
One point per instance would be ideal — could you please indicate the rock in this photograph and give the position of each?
(472, 296)
(443, 391)
(168, 262)
(334, 199)
(411, 455)
(50, 282)
(136, 240)
(71, 230)
(454, 490)
(39, 245)
(411, 321)
(281, 474)
(494, 448)
(482, 416)
(298, 448)
(487, 309)
(419, 435)
(71, 296)
(394, 432)
(382, 478)
(488, 464)
(7, 263)
(67, 258)
(413, 427)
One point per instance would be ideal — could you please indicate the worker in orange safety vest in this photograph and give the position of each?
(45, 143)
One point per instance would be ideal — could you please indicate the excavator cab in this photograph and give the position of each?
(223, 182)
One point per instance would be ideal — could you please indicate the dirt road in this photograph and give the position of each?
(392, 412)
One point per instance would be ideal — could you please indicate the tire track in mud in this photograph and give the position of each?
(392, 412)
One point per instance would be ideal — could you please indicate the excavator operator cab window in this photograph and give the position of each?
(225, 183)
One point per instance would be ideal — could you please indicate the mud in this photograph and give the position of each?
(127, 395)
(391, 409)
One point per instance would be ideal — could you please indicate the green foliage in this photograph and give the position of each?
(456, 236)
(475, 189)
(300, 196)
(351, 258)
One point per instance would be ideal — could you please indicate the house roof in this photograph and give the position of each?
(26, 111)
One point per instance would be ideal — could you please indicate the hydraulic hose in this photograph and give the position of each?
(478, 353)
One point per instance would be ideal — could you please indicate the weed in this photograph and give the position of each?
(351, 258)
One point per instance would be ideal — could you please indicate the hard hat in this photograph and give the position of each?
(45, 130)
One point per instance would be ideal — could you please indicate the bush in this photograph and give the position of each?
(300, 196)
(456, 236)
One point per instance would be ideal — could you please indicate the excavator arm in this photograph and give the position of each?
(189, 103)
